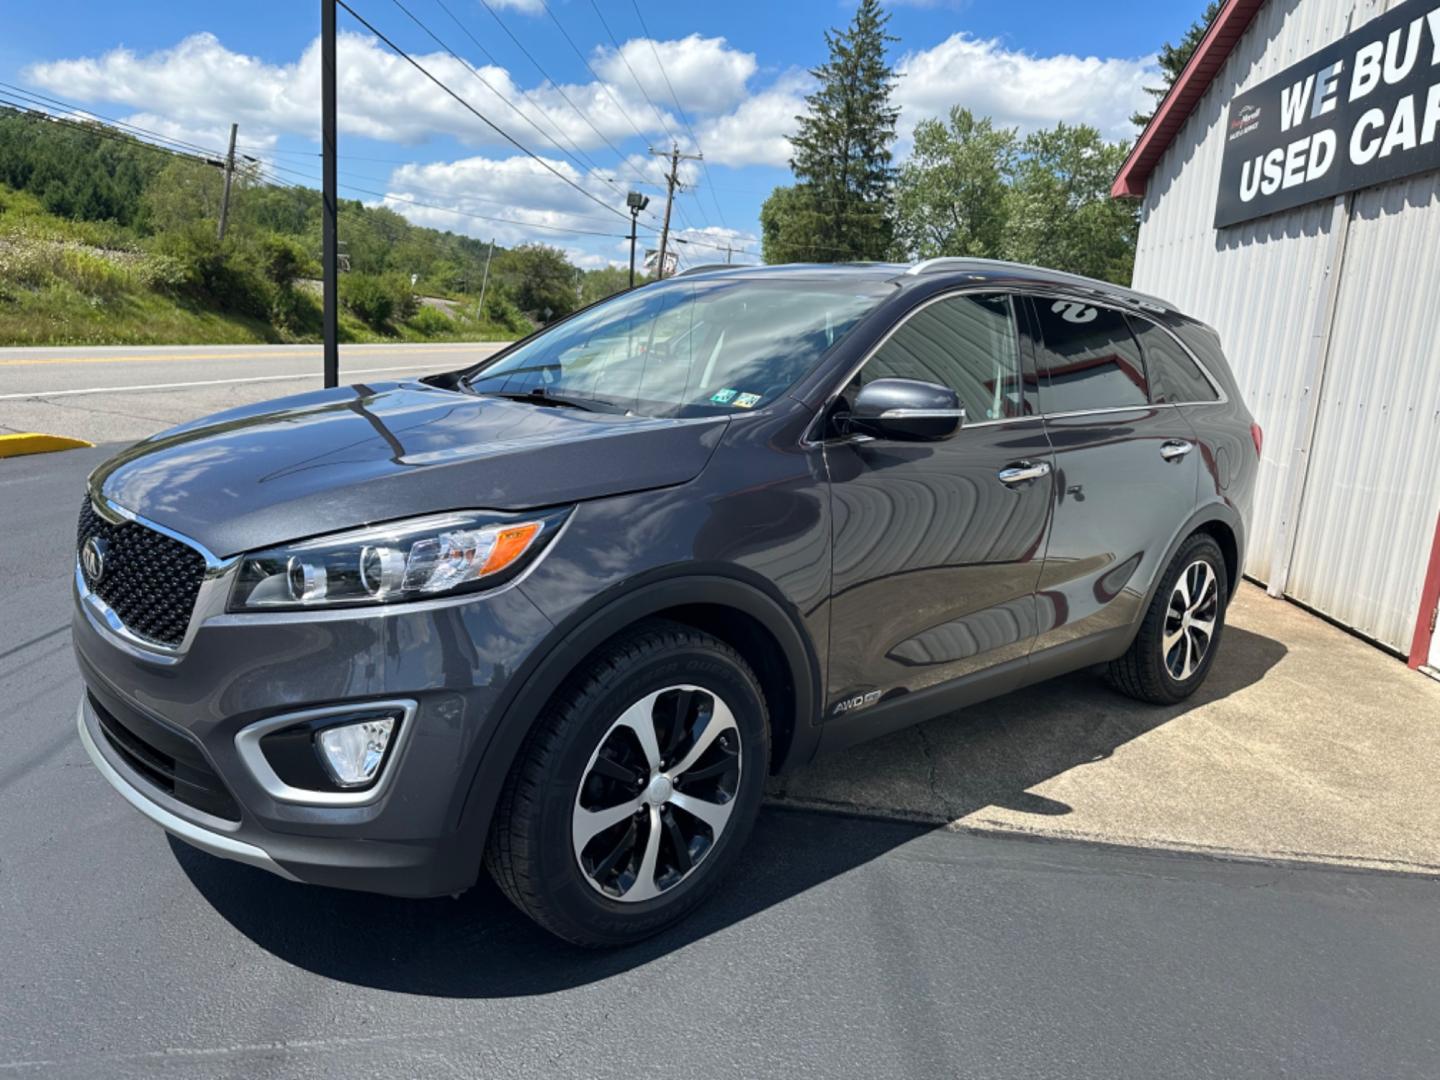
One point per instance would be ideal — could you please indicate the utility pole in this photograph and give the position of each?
(330, 262)
(480, 308)
(672, 181)
(229, 176)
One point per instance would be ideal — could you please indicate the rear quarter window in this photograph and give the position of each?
(1175, 378)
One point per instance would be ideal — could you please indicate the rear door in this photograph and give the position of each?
(1126, 471)
(936, 556)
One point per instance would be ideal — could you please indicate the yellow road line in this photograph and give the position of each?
(298, 354)
(132, 359)
(33, 442)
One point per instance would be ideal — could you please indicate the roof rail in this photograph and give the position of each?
(703, 268)
(1106, 288)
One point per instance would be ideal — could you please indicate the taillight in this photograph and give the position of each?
(1258, 436)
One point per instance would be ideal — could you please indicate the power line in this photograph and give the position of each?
(392, 197)
(594, 74)
(477, 114)
(678, 107)
(559, 89)
(486, 83)
(523, 93)
(638, 84)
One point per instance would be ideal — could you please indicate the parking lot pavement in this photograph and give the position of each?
(1304, 743)
(845, 946)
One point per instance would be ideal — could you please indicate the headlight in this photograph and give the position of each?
(403, 560)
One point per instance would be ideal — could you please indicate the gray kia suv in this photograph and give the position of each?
(562, 613)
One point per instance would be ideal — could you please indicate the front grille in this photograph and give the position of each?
(150, 580)
(169, 760)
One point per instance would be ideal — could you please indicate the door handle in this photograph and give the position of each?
(1175, 449)
(1023, 471)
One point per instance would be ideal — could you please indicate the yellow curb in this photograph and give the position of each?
(32, 442)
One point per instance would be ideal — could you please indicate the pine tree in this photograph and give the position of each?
(841, 148)
(1173, 58)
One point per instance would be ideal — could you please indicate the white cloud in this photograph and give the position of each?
(1019, 89)
(707, 75)
(758, 131)
(528, 7)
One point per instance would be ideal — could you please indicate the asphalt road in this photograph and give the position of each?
(124, 394)
(845, 947)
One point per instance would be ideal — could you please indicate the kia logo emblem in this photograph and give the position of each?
(92, 559)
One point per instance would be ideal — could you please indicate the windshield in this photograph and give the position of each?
(685, 348)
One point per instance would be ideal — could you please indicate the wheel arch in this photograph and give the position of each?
(746, 614)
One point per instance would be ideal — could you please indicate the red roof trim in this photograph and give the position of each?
(1204, 64)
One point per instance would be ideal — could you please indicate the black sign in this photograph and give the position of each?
(1362, 111)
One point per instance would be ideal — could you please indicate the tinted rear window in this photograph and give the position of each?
(1175, 378)
(1087, 358)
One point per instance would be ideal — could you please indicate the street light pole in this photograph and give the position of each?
(636, 202)
(330, 262)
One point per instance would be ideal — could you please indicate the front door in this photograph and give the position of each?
(936, 556)
(1126, 472)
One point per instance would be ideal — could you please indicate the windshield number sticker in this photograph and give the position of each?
(723, 397)
(747, 401)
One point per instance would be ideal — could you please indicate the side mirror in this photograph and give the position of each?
(907, 409)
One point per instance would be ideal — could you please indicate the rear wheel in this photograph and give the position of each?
(636, 790)
(1176, 645)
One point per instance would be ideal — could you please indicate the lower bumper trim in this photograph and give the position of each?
(212, 842)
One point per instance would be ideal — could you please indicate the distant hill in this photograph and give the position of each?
(106, 239)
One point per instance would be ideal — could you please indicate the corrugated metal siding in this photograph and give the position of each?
(1261, 285)
(1373, 488)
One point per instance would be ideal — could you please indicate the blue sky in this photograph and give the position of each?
(737, 69)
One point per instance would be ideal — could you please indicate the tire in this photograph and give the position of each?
(586, 756)
(1149, 671)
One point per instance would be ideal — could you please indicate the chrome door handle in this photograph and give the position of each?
(1020, 473)
(1175, 449)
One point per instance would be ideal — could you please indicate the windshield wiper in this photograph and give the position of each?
(540, 396)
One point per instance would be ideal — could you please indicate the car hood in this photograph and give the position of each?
(333, 459)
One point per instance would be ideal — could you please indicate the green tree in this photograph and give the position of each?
(1173, 58)
(842, 159)
(950, 196)
(1060, 213)
(787, 228)
(596, 285)
(539, 277)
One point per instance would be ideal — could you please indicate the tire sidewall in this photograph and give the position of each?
(572, 895)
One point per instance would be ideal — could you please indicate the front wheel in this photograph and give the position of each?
(636, 790)
(1176, 645)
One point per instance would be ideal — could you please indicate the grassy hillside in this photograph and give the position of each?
(68, 282)
(107, 240)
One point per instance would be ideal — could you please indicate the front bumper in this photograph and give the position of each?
(417, 836)
(207, 840)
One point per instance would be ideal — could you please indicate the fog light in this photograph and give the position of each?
(352, 753)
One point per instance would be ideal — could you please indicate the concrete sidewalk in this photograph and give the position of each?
(1305, 743)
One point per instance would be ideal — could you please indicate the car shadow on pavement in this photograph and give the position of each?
(478, 945)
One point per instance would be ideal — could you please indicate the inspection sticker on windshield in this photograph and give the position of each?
(747, 401)
(723, 397)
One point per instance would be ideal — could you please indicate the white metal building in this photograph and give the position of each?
(1291, 198)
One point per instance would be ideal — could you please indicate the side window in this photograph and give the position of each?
(967, 343)
(1175, 378)
(1087, 358)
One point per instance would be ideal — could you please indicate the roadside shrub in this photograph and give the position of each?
(93, 275)
(28, 263)
(403, 295)
(161, 273)
(368, 297)
(501, 312)
(231, 281)
(284, 260)
(432, 322)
